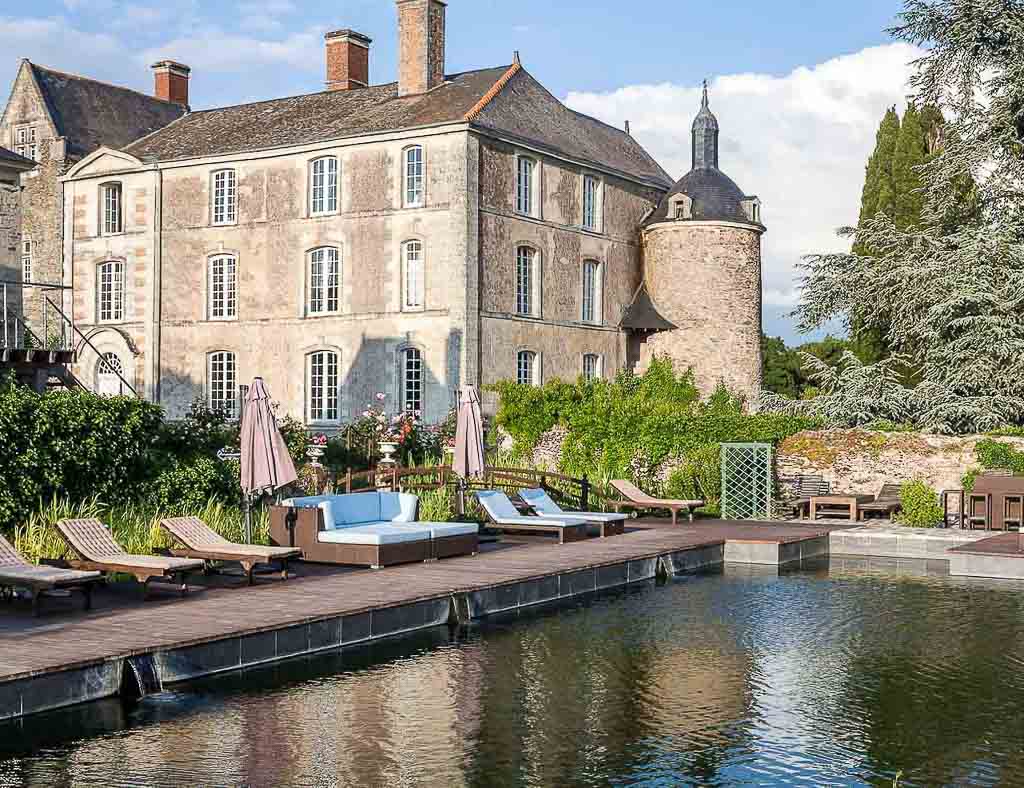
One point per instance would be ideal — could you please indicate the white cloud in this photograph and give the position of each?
(57, 43)
(214, 50)
(799, 141)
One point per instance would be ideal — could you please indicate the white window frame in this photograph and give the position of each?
(107, 214)
(526, 180)
(528, 291)
(117, 370)
(26, 142)
(223, 198)
(414, 177)
(222, 384)
(533, 378)
(324, 191)
(593, 204)
(592, 295)
(598, 361)
(413, 276)
(222, 295)
(323, 293)
(110, 308)
(319, 404)
(406, 356)
(26, 259)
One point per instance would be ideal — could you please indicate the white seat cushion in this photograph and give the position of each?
(441, 530)
(374, 535)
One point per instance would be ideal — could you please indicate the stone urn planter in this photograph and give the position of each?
(387, 450)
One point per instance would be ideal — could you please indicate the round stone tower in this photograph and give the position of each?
(702, 273)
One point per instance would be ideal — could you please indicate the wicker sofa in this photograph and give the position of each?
(367, 529)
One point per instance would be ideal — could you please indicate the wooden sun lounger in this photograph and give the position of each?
(887, 502)
(635, 498)
(16, 572)
(202, 542)
(98, 551)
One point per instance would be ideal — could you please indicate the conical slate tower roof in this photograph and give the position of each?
(705, 135)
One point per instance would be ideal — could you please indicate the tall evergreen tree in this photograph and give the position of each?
(911, 154)
(878, 193)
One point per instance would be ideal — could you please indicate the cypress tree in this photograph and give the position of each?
(911, 153)
(879, 172)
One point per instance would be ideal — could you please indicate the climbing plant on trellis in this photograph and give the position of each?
(746, 481)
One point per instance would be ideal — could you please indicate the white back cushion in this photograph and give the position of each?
(497, 504)
(541, 501)
(398, 507)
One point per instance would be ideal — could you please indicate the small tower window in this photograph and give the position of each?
(680, 207)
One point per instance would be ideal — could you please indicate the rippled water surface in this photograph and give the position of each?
(825, 676)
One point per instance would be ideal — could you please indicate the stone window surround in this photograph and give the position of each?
(403, 265)
(25, 140)
(98, 286)
(307, 281)
(537, 368)
(682, 201)
(598, 294)
(220, 254)
(403, 180)
(598, 228)
(307, 391)
(536, 294)
(310, 213)
(752, 207)
(400, 373)
(230, 206)
(230, 382)
(536, 185)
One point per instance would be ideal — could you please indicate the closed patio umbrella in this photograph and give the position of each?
(266, 464)
(468, 462)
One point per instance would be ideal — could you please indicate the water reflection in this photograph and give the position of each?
(822, 676)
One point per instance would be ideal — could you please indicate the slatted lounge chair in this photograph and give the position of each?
(98, 551)
(542, 503)
(798, 492)
(16, 572)
(886, 502)
(635, 498)
(505, 517)
(202, 542)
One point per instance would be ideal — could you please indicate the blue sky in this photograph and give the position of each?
(798, 86)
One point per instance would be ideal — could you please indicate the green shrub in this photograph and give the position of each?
(699, 477)
(438, 506)
(192, 484)
(995, 455)
(920, 504)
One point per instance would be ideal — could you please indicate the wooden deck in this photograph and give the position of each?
(122, 625)
(1004, 545)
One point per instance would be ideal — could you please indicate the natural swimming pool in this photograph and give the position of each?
(828, 675)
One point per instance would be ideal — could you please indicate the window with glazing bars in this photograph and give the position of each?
(224, 197)
(591, 291)
(323, 196)
(413, 251)
(26, 260)
(591, 366)
(414, 176)
(525, 261)
(112, 223)
(591, 202)
(222, 383)
(524, 185)
(526, 368)
(110, 298)
(324, 280)
(223, 287)
(322, 385)
(412, 381)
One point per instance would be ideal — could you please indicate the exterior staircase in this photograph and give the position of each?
(38, 351)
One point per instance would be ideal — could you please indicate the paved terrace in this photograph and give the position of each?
(68, 656)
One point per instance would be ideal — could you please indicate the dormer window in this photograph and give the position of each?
(680, 207)
(752, 208)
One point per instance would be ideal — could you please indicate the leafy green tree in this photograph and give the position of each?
(949, 291)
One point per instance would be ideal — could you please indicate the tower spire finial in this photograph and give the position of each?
(704, 100)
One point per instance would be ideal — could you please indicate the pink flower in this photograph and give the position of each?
(380, 396)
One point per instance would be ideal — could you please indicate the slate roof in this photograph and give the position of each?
(715, 197)
(92, 114)
(643, 315)
(11, 158)
(315, 117)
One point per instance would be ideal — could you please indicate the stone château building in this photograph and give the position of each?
(406, 238)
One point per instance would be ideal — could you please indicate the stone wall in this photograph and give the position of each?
(858, 461)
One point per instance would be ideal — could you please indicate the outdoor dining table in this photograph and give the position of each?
(832, 502)
(997, 488)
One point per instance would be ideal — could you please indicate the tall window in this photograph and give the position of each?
(414, 176)
(323, 186)
(591, 291)
(412, 381)
(526, 368)
(526, 274)
(224, 197)
(322, 387)
(412, 252)
(324, 280)
(222, 383)
(109, 372)
(591, 366)
(223, 287)
(112, 222)
(524, 185)
(26, 259)
(591, 203)
(110, 291)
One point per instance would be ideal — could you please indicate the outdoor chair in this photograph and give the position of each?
(16, 572)
(886, 502)
(635, 498)
(504, 516)
(796, 495)
(98, 551)
(202, 542)
(610, 524)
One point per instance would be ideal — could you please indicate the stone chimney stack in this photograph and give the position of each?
(421, 31)
(348, 60)
(171, 81)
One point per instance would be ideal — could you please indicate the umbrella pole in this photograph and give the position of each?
(248, 519)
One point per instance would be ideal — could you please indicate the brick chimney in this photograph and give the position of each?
(171, 81)
(348, 60)
(421, 30)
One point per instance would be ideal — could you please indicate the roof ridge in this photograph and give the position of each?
(96, 81)
(491, 94)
